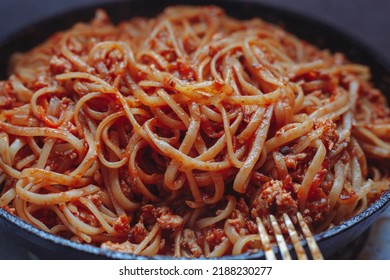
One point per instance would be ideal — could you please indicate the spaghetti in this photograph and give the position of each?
(170, 135)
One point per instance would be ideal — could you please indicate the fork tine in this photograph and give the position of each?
(265, 242)
(301, 254)
(280, 239)
(313, 247)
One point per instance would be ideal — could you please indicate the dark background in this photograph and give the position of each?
(366, 20)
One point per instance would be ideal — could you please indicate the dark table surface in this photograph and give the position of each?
(366, 20)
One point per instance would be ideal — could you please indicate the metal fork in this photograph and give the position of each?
(295, 240)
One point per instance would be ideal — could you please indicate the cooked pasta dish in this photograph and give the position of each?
(171, 135)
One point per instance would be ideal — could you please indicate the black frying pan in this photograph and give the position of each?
(53, 247)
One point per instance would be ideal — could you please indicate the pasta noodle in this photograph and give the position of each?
(171, 135)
